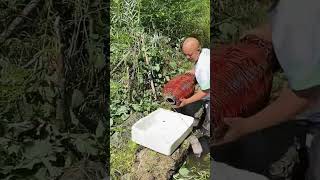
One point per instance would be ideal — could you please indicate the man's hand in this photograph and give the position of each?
(237, 127)
(196, 97)
(271, 115)
(183, 102)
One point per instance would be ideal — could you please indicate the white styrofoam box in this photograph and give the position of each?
(162, 130)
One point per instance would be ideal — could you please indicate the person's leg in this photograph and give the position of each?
(206, 122)
(313, 172)
(259, 150)
(190, 109)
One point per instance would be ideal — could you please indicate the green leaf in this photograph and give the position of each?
(94, 36)
(157, 67)
(4, 141)
(49, 92)
(6, 169)
(100, 62)
(13, 149)
(28, 163)
(136, 107)
(69, 159)
(111, 122)
(53, 171)
(184, 172)
(40, 148)
(86, 146)
(41, 174)
(173, 64)
(74, 119)
(20, 127)
(10, 177)
(28, 112)
(47, 109)
(228, 28)
(100, 129)
(77, 98)
(122, 110)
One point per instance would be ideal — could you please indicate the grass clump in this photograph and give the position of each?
(122, 160)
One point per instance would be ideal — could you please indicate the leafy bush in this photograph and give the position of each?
(145, 49)
(52, 116)
(231, 18)
(178, 19)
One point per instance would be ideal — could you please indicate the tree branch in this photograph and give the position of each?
(18, 20)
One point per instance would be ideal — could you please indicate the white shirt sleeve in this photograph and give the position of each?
(202, 69)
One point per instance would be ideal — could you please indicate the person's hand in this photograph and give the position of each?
(237, 127)
(183, 102)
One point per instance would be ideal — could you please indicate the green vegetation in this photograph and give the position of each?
(145, 48)
(145, 53)
(122, 159)
(194, 169)
(231, 18)
(52, 100)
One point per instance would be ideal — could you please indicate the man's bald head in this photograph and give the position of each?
(191, 48)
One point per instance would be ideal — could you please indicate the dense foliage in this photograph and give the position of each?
(233, 17)
(145, 50)
(145, 53)
(52, 96)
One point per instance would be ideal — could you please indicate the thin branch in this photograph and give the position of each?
(120, 62)
(18, 20)
(147, 62)
(118, 65)
(60, 109)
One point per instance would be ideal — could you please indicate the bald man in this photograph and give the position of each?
(201, 57)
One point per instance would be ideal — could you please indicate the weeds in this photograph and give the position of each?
(145, 53)
(52, 100)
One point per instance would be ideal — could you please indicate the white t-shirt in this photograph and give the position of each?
(296, 40)
(202, 70)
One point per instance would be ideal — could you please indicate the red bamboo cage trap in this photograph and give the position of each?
(242, 76)
(181, 86)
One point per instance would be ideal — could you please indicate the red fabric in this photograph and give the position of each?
(242, 80)
(181, 86)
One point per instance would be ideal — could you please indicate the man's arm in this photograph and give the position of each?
(196, 97)
(288, 105)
